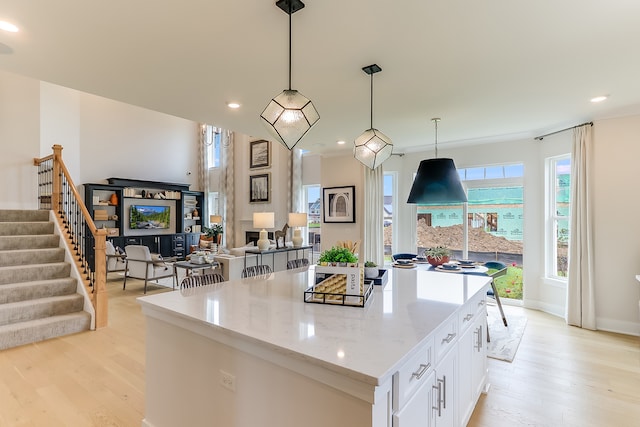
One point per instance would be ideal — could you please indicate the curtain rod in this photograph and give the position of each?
(541, 137)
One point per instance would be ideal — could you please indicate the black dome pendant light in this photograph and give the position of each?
(290, 115)
(437, 181)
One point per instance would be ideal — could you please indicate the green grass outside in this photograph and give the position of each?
(510, 285)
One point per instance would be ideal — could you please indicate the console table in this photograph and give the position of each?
(259, 254)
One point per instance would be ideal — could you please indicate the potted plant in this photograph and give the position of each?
(370, 270)
(337, 257)
(213, 233)
(437, 255)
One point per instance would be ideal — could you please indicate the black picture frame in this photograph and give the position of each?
(259, 188)
(259, 154)
(339, 204)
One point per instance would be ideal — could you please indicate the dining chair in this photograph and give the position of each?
(256, 270)
(141, 265)
(396, 257)
(195, 280)
(500, 270)
(297, 263)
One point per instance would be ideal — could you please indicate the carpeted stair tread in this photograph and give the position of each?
(22, 311)
(37, 241)
(29, 273)
(31, 256)
(14, 292)
(17, 215)
(31, 331)
(25, 228)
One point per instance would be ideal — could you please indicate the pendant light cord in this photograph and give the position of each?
(436, 122)
(371, 101)
(290, 13)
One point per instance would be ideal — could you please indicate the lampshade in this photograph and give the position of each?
(215, 219)
(372, 147)
(297, 219)
(290, 115)
(263, 219)
(437, 181)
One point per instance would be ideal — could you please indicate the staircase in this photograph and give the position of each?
(38, 298)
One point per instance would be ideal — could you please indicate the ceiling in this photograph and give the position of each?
(493, 70)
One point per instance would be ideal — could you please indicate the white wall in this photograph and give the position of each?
(19, 141)
(616, 226)
(338, 171)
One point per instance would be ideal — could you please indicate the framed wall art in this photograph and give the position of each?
(259, 154)
(259, 190)
(339, 204)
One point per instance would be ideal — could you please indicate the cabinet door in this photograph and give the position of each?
(444, 391)
(466, 348)
(479, 357)
(166, 246)
(417, 411)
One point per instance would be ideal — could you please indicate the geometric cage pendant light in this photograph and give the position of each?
(437, 181)
(372, 147)
(289, 115)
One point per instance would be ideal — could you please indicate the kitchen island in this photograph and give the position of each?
(251, 353)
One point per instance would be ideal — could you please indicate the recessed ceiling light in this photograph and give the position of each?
(341, 142)
(8, 26)
(599, 98)
(233, 105)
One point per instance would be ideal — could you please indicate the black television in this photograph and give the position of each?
(144, 217)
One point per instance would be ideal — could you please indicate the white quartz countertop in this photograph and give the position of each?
(363, 343)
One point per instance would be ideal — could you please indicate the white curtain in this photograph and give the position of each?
(295, 201)
(373, 216)
(203, 167)
(226, 198)
(581, 291)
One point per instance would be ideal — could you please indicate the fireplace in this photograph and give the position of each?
(253, 236)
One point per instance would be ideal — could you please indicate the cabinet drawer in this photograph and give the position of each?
(178, 253)
(411, 375)
(446, 337)
(471, 310)
(178, 245)
(178, 238)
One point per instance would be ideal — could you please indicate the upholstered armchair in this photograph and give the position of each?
(141, 265)
(115, 261)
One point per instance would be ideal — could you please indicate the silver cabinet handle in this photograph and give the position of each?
(448, 339)
(478, 333)
(439, 388)
(468, 317)
(481, 303)
(420, 372)
(444, 391)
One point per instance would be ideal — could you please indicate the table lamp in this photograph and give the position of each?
(215, 219)
(297, 220)
(263, 220)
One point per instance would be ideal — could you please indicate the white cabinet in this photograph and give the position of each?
(417, 411)
(444, 391)
(472, 350)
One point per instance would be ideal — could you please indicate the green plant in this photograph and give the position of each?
(370, 264)
(213, 231)
(336, 254)
(437, 252)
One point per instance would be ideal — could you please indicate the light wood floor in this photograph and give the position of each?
(561, 376)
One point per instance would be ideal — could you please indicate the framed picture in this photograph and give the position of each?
(339, 204)
(259, 154)
(259, 190)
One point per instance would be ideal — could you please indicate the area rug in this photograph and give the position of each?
(505, 340)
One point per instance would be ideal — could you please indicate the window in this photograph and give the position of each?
(212, 137)
(312, 208)
(559, 204)
(492, 221)
(389, 185)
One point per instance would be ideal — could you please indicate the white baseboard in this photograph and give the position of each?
(618, 326)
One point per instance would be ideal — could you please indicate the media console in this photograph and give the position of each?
(166, 217)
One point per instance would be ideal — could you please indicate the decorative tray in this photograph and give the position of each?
(321, 294)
